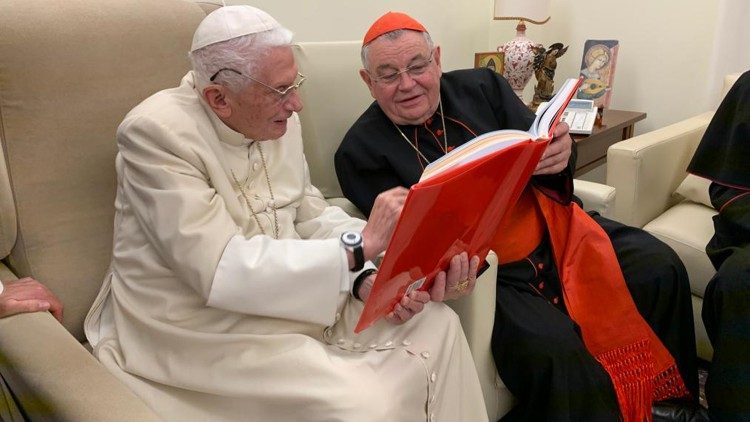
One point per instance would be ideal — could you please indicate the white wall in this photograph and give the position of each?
(663, 62)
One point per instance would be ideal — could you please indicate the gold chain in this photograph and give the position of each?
(445, 135)
(241, 187)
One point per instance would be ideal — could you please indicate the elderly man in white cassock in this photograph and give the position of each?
(234, 288)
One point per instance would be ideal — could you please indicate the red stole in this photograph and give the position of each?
(641, 368)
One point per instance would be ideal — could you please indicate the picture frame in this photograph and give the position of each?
(494, 60)
(598, 66)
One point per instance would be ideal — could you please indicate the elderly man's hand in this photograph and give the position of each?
(379, 229)
(28, 295)
(410, 305)
(458, 281)
(557, 154)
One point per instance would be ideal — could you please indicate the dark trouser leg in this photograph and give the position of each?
(544, 363)
(539, 352)
(659, 285)
(726, 314)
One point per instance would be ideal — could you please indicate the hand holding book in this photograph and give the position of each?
(457, 281)
(556, 156)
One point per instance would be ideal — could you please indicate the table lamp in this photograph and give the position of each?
(519, 52)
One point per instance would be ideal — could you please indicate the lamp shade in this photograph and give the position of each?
(534, 11)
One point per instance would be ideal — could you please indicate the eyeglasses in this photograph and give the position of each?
(414, 70)
(283, 93)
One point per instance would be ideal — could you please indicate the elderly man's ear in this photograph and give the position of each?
(368, 80)
(215, 96)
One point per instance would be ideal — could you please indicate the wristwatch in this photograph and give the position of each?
(352, 241)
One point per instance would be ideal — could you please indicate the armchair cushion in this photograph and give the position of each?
(695, 189)
(686, 228)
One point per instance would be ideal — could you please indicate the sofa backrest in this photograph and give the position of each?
(333, 97)
(69, 72)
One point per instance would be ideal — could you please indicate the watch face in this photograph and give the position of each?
(351, 238)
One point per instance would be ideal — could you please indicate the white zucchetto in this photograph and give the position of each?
(230, 22)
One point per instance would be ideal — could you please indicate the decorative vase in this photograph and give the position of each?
(519, 59)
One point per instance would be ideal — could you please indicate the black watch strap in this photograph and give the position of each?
(359, 280)
(359, 258)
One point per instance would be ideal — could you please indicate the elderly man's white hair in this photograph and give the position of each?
(234, 37)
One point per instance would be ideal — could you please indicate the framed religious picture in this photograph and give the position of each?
(493, 59)
(598, 70)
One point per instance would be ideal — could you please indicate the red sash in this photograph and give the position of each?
(641, 368)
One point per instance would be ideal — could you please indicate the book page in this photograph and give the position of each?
(478, 147)
(547, 117)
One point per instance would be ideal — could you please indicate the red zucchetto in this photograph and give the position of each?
(391, 21)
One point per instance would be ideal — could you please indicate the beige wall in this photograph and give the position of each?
(460, 27)
(663, 61)
(664, 45)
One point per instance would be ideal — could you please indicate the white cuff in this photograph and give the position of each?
(288, 278)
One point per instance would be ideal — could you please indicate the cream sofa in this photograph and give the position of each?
(653, 192)
(334, 96)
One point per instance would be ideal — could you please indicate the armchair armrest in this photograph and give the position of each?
(53, 377)
(477, 314)
(646, 169)
(595, 196)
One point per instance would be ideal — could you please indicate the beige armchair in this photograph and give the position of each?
(69, 71)
(648, 172)
(333, 97)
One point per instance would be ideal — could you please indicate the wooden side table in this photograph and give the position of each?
(616, 125)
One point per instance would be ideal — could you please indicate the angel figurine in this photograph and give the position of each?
(545, 64)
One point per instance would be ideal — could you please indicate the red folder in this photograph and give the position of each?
(456, 209)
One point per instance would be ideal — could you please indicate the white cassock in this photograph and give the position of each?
(206, 318)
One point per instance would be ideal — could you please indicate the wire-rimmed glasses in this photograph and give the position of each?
(283, 93)
(413, 70)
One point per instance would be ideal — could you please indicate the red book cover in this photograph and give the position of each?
(456, 207)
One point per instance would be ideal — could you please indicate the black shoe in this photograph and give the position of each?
(667, 411)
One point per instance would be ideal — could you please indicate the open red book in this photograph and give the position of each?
(457, 206)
